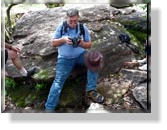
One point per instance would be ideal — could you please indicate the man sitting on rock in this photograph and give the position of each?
(12, 53)
(72, 38)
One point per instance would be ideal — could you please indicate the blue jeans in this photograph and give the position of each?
(63, 69)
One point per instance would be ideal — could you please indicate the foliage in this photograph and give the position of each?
(10, 85)
(39, 86)
(9, 24)
(141, 36)
(13, 21)
(144, 7)
(53, 5)
(23, 94)
(146, 1)
(42, 74)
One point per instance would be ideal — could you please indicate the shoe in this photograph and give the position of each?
(31, 71)
(143, 61)
(95, 96)
(144, 67)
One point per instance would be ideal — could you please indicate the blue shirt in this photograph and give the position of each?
(65, 50)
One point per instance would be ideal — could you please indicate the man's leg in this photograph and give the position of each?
(91, 82)
(91, 76)
(63, 69)
(18, 64)
(15, 59)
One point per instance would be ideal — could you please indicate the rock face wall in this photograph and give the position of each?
(34, 32)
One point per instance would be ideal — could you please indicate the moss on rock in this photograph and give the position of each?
(141, 36)
(43, 74)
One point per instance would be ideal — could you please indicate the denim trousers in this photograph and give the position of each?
(63, 68)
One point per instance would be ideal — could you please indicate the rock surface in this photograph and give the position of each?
(140, 94)
(136, 76)
(33, 34)
(141, 91)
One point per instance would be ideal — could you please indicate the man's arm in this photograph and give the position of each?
(60, 41)
(11, 48)
(85, 45)
(57, 42)
(8, 46)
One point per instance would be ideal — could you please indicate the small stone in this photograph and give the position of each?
(104, 38)
(119, 95)
(118, 91)
(124, 91)
(113, 88)
(27, 108)
(115, 96)
(109, 101)
(127, 105)
(113, 49)
(11, 105)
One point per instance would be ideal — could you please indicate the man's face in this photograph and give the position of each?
(72, 21)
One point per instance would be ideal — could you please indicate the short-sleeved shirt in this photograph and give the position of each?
(68, 51)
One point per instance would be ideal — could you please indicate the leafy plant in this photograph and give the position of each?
(39, 86)
(9, 23)
(10, 85)
(144, 7)
(146, 1)
(53, 5)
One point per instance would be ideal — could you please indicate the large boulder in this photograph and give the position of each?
(118, 95)
(135, 21)
(141, 90)
(124, 3)
(34, 32)
(136, 76)
(140, 94)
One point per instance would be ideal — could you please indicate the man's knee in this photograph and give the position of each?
(59, 81)
(56, 87)
(13, 55)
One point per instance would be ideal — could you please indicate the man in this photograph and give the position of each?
(70, 53)
(12, 53)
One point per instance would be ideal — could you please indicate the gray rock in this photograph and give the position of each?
(123, 3)
(34, 32)
(96, 108)
(114, 89)
(136, 76)
(141, 90)
(132, 19)
(140, 94)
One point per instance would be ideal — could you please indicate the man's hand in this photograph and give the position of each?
(81, 42)
(85, 45)
(13, 52)
(67, 40)
(17, 50)
(61, 41)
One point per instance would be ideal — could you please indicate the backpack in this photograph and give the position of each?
(124, 38)
(65, 27)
